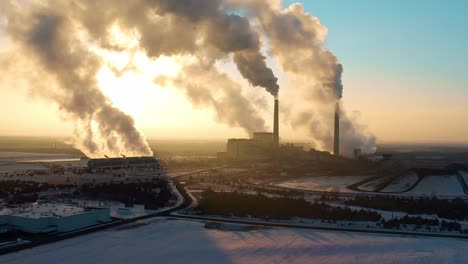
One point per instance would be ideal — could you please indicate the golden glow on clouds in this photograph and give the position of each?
(393, 111)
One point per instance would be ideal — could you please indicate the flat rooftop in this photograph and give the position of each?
(45, 210)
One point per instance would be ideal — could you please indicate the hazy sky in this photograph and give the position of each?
(405, 65)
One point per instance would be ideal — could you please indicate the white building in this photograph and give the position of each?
(52, 217)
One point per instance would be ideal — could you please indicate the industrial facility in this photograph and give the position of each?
(52, 218)
(265, 146)
(336, 138)
(123, 163)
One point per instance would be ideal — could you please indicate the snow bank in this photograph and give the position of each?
(438, 185)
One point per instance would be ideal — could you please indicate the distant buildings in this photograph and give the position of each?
(262, 147)
(123, 163)
(266, 147)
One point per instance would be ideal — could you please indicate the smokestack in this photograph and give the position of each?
(336, 145)
(276, 124)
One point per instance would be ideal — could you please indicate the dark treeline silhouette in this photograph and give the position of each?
(450, 209)
(17, 192)
(420, 222)
(153, 195)
(261, 206)
(11, 188)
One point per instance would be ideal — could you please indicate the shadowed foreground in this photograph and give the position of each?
(180, 241)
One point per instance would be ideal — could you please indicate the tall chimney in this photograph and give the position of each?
(276, 124)
(336, 145)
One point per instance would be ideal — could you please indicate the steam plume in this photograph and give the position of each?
(296, 40)
(48, 38)
(57, 36)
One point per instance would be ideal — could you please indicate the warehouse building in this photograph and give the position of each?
(52, 217)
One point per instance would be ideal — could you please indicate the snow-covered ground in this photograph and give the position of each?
(323, 183)
(438, 185)
(402, 184)
(464, 174)
(180, 241)
(372, 185)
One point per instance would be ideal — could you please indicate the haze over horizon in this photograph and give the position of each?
(404, 80)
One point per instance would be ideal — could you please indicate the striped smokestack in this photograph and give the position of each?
(336, 143)
(276, 124)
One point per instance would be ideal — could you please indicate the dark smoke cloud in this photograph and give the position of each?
(252, 66)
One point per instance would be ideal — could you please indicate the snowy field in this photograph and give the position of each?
(438, 185)
(402, 184)
(372, 185)
(180, 241)
(324, 183)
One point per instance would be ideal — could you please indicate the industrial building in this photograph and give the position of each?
(265, 146)
(336, 138)
(123, 163)
(52, 217)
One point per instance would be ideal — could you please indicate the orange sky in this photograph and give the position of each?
(399, 112)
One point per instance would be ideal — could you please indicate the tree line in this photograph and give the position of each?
(456, 209)
(154, 194)
(261, 206)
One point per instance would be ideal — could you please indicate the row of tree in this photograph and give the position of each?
(419, 222)
(450, 209)
(261, 206)
(154, 194)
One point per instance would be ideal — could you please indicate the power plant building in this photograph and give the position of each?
(336, 141)
(262, 146)
(265, 146)
(259, 147)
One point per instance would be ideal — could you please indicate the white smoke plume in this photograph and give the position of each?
(57, 36)
(48, 38)
(296, 41)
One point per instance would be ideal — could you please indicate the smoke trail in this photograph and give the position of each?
(227, 33)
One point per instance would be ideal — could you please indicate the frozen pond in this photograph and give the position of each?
(324, 183)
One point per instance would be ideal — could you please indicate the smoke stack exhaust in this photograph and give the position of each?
(276, 124)
(336, 145)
